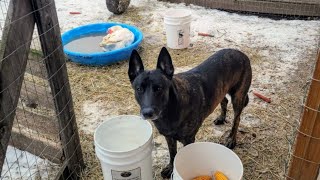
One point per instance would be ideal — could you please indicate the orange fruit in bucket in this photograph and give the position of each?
(203, 178)
(220, 176)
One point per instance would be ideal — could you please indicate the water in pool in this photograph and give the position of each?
(86, 44)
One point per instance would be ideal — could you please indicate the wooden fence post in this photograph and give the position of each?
(50, 38)
(306, 156)
(15, 46)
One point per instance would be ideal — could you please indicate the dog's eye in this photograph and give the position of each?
(157, 89)
(139, 89)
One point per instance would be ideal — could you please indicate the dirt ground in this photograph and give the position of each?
(282, 55)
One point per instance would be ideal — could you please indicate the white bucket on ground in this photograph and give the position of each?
(204, 158)
(177, 25)
(124, 146)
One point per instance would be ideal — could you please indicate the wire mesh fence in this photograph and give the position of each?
(38, 146)
(304, 162)
(37, 118)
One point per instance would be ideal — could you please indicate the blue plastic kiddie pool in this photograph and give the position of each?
(99, 58)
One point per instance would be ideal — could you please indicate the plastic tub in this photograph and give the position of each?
(99, 58)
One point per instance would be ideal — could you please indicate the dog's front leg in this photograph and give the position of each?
(188, 140)
(172, 145)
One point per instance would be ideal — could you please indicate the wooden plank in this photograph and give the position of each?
(16, 40)
(268, 7)
(289, 1)
(47, 21)
(44, 126)
(36, 95)
(41, 147)
(306, 157)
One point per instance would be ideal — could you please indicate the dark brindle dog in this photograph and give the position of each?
(179, 103)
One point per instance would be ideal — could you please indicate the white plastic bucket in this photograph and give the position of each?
(204, 158)
(124, 146)
(177, 25)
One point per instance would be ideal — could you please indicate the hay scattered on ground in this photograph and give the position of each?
(265, 134)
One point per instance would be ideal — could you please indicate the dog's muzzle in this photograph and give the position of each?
(149, 114)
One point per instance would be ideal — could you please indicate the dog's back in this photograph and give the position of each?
(222, 73)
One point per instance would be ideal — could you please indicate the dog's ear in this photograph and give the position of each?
(165, 62)
(135, 65)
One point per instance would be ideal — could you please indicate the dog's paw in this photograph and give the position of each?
(167, 171)
(220, 120)
(230, 143)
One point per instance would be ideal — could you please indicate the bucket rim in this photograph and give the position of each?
(196, 143)
(186, 13)
(115, 118)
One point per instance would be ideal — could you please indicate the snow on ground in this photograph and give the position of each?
(91, 12)
(20, 165)
(97, 112)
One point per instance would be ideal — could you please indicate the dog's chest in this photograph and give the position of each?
(176, 131)
(168, 129)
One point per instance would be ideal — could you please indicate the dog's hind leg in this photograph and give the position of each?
(222, 118)
(172, 145)
(239, 101)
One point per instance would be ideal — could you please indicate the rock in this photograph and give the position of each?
(117, 6)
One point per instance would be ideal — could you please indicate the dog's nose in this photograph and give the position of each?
(147, 113)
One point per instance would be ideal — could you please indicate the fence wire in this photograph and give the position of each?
(35, 149)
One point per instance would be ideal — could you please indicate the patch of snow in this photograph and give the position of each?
(217, 131)
(21, 165)
(91, 12)
(182, 69)
(95, 113)
(249, 120)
